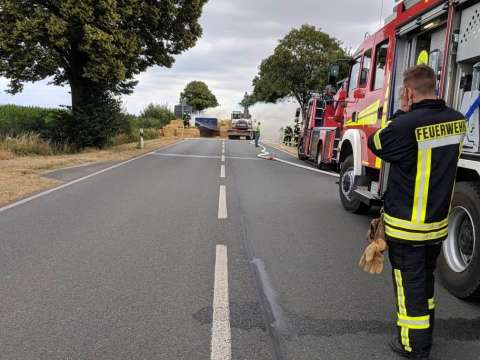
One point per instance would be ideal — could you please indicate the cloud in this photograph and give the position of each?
(238, 34)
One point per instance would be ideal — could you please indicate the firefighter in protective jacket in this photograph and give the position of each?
(422, 143)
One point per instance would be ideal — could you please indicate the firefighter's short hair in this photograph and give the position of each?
(421, 78)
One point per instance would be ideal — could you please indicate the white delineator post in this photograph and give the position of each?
(142, 142)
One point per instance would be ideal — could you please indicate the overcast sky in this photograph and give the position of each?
(238, 34)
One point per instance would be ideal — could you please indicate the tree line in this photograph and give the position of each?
(98, 47)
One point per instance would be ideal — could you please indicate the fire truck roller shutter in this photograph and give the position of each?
(468, 90)
(420, 41)
(459, 265)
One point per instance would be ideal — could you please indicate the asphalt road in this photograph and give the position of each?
(172, 257)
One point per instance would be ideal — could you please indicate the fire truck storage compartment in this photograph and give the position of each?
(467, 81)
(421, 41)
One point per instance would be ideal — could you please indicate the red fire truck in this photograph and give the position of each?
(322, 128)
(445, 35)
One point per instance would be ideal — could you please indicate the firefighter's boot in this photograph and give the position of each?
(398, 349)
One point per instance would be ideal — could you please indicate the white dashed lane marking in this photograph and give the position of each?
(221, 345)
(222, 203)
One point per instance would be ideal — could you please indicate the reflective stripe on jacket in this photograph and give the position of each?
(423, 147)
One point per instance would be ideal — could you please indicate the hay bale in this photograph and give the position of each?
(177, 124)
(226, 123)
(168, 131)
(223, 132)
(179, 132)
(191, 133)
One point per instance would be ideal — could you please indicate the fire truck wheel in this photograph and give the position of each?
(459, 265)
(318, 160)
(301, 151)
(346, 189)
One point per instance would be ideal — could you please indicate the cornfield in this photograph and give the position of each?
(17, 120)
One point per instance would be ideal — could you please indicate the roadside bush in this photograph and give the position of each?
(134, 136)
(95, 123)
(155, 116)
(147, 123)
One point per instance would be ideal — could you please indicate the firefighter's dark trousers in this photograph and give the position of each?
(413, 280)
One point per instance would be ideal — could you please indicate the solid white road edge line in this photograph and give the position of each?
(68, 184)
(222, 203)
(222, 171)
(68, 168)
(221, 345)
(308, 168)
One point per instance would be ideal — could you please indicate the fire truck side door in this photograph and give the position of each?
(351, 111)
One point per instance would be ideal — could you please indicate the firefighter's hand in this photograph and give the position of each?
(372, 260)
(406, 101)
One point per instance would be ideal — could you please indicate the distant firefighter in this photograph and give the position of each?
(186, 120)
(296, 133)
(288, 136)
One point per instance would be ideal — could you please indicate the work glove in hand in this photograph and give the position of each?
(372, 260)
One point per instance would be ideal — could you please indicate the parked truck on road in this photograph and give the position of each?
(445, 35)
(241, 126)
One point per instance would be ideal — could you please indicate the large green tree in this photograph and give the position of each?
(95, 46)
(198, 96)
(298, 67)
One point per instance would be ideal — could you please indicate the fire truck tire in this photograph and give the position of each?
(459, 264)
(301, 152)
(346, 189)
(318, 159)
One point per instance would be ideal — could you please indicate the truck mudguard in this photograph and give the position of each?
(354, 137)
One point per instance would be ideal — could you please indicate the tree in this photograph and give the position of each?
(156, 116)
(95, 46)
(198, 96)
(298, 67)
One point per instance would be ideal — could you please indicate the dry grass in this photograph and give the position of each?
(288, 149)
(20, 175)
(30, 144)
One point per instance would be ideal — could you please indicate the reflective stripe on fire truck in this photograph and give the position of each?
(368, 116)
